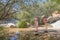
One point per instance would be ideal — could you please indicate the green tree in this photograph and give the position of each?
(6, 9)
(58, 1)
(37, 8)
(24, 15)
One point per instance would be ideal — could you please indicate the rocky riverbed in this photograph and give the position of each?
(32, 35)
(40, 35)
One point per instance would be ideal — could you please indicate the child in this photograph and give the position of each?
(36, 23)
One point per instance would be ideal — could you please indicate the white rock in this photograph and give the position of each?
(11, 24)
(56, 24)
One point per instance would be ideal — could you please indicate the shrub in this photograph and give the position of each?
(32, 22)
(22, 24)
(1, 28)
(1, 33)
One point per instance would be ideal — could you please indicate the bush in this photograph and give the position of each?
(1, 28)
(32, 22)
(22, 24)
(1, 33)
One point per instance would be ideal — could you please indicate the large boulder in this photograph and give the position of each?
(56, 24)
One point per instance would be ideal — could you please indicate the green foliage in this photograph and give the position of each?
(1, 33)
(32, 21)
(23, 15)
(33, 10)
(22, 24)
(1, 28)
(58, 1)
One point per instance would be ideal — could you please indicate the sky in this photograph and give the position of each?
(27, 1)
(34, 0)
